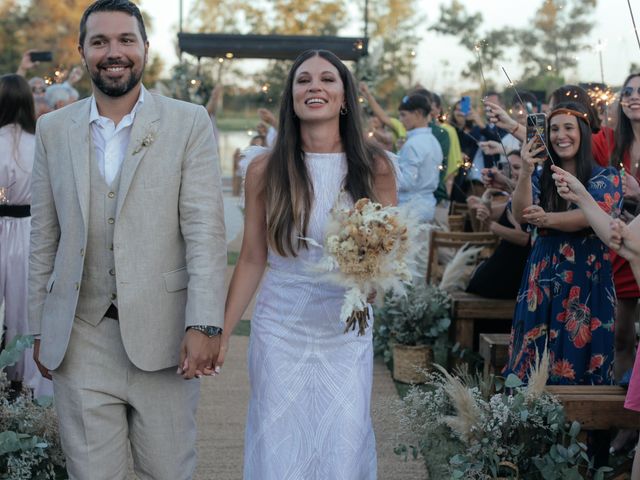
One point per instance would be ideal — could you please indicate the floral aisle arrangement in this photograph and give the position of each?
(29, 442)
(412, 328)
(464, 431)
(368, 248)
(420, 317)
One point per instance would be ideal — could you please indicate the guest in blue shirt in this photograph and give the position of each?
(419, 159)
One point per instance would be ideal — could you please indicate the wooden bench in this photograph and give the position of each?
(494, 349)
(467, 309)
(596, 407)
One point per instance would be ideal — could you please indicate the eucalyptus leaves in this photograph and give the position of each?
(29, 443)
(464, 431)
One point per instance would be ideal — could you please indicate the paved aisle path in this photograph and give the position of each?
(223, 406)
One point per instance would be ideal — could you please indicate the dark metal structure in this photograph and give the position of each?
(279, 47)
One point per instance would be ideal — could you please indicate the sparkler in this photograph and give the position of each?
(633, 20)
(512, 85)
(485, 90)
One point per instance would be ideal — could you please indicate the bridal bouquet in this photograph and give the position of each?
(367, 248)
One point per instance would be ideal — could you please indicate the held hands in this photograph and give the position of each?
(198, 354)
(224, 348)
(568, 186)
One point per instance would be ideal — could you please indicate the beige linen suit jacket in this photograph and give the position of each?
(169, 240)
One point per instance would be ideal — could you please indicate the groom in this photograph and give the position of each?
(127, 263)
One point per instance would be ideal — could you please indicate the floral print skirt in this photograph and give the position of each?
(567, 302)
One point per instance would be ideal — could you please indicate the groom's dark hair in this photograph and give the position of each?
(125, 6)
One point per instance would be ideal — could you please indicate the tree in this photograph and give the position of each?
(556, 33)
(560, 31)
(12, 37)
(487, 47)
(51, 25)
(296, 17)
(390, 66)
(282, 17)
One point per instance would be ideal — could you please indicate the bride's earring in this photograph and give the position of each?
(343, 110)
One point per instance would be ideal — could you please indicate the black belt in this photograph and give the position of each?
(550, 232)
(112, 312)
(17, 211)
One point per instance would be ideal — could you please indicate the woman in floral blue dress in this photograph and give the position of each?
(566, 298)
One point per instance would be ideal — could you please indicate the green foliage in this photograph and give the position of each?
(557, 32)
(487, 47)
(29, 442)
(561, 30)
(10, 355)
(464, 430)
(13, 20)
(417, 318)
(390, 65)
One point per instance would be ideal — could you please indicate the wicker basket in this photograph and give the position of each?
(409, 361)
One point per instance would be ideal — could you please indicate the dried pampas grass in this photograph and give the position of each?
(468, 414)
(538, 375)
(458, 271)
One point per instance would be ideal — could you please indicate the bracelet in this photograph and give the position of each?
(515, 129)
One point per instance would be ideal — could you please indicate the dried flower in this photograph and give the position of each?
(367, 248)
(146, 141)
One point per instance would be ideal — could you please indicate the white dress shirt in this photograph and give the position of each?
(110, 140)
(419, 162)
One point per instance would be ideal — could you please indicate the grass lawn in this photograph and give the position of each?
(235, 121)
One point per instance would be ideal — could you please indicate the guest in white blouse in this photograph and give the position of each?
(420, 158)
(17, 143)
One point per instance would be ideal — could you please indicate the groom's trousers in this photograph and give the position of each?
(104, 402)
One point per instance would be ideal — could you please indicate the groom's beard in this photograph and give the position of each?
(116, 87)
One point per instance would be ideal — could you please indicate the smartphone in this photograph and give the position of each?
(537, 128)
(465, 105)
(41, 56)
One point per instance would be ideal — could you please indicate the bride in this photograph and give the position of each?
(310, 382)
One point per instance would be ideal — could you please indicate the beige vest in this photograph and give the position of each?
(98, 288)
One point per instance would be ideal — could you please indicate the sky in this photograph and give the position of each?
(440, 60)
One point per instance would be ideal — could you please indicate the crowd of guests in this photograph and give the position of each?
(570, 272)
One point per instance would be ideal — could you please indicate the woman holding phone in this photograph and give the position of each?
(566, 298)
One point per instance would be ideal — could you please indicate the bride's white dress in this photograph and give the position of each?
(309, 412)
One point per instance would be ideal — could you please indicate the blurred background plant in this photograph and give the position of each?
(29, 443)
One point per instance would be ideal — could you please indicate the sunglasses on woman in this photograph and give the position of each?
(628, 91)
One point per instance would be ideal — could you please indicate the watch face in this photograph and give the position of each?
(213, 331)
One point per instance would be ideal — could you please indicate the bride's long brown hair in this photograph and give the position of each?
(288, 189)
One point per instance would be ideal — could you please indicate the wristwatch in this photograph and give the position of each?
(208, 330)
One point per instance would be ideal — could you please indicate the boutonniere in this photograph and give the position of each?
(146, 141)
